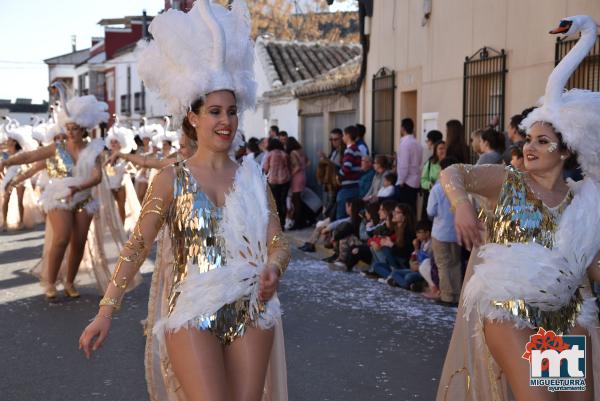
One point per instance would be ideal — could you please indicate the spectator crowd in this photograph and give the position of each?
(386, 216)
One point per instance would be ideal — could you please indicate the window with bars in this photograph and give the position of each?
(125, 104)
(382, 129)
(484, 89)
(587, 75)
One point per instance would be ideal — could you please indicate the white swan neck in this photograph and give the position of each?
(562, 72)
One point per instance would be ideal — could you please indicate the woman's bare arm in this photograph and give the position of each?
(152, 217)
(30, 172)
(29, 157)
(148, 161)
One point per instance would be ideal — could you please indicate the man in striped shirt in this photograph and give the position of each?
(349, 172)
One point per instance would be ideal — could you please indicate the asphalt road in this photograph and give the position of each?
(347, 338)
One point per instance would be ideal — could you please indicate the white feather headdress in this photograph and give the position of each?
(199, 52)
(23, 136)
(124, 136)
(575, 113)
(85, 111)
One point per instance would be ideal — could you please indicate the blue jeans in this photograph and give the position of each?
(385, 262)
(345, 193)
(405, 277)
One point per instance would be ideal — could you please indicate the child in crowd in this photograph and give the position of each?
(324, 230)
(447, 253)
(387, 191)
(369, 225)
(392, 250)
(411, 279)
(516, 154)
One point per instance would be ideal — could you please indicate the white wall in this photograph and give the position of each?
(154, 106)
(284, 114)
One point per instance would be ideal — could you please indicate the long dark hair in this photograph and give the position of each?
(455, 141)
(494, 138)
(356, 205)
(274, 144)
(292, 144)
(434, 157)
(409, 227)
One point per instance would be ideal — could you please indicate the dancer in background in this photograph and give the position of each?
(121, 140)
(535, 267)
(67, 199)
(146, 132)
(19, 140)
(216, 331)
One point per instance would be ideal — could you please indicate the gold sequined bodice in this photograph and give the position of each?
(194, 222)
(61, 164)
(520, 216)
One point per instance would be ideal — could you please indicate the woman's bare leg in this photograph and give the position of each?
(140, 188)
(507, 344)
(119, 195)
(588, 394)
(20, 196)
(62, 225)
(5, 202)
(197, 361)
(79, 233)
(246, 362)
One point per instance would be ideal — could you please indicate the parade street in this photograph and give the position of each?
(347, 337)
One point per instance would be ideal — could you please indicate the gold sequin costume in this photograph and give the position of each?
(61, 164)
(193, 222)
(520, 217)
(515, 220)
(62, 172)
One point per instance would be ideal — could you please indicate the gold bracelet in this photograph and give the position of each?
(105, 316)
(114, 302)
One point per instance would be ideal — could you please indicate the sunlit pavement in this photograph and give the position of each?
(347, 337)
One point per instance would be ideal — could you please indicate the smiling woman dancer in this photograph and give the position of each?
(540, 252)
(215, 315)
(68, 199)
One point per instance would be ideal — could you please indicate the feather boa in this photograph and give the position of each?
(57, 190)
(244, 226)
(544, 275)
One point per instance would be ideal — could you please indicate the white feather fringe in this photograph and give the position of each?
(244, 227)
(57, 190)
(540, 275)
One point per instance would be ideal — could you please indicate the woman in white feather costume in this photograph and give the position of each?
(214, 314)
(67, 198)
(535, 267)
(19, 206)
(120, 139)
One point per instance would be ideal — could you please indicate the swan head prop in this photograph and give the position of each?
(195, 53)
(575, 114)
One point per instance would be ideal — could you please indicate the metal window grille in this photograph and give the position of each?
(125, 106)
(587, 75)
(484, 89)
(384, 85)
(137, 101)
